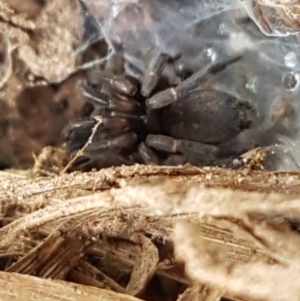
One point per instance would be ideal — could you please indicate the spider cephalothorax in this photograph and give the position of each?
(164, 124)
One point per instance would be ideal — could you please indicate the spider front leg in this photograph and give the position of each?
(99, 133)
(110, 130)
(168, 96)
(114, 102)
(153, 73)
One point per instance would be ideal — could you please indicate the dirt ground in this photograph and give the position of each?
(139, 232)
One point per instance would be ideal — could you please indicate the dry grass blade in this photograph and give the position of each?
(81, 151)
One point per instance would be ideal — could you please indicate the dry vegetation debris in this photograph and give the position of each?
(124, 233)
(156, 232)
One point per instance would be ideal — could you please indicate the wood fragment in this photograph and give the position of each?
(20, 287)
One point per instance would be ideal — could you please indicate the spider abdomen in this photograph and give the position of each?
(206, 116)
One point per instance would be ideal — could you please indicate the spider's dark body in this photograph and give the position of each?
(181, 123)
(205, 116)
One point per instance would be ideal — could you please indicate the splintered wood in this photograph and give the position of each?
(152, 233)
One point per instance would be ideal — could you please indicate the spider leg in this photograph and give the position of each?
(107, 137)
(106, 152)
(162, 99)
(104, 159)
(153, 73)
(80, 162)
(147, 154)
(124, 85)
(175, 160)
(166, 97)
(77, 134)
(119, 104)
(120, 141)
(195, 152)
(184, 151)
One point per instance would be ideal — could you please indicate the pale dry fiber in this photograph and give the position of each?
(229, 228)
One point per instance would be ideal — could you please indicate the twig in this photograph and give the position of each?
(81, 151)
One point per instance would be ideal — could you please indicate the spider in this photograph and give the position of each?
(168, 124)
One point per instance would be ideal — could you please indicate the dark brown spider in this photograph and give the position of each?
(143, 123)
